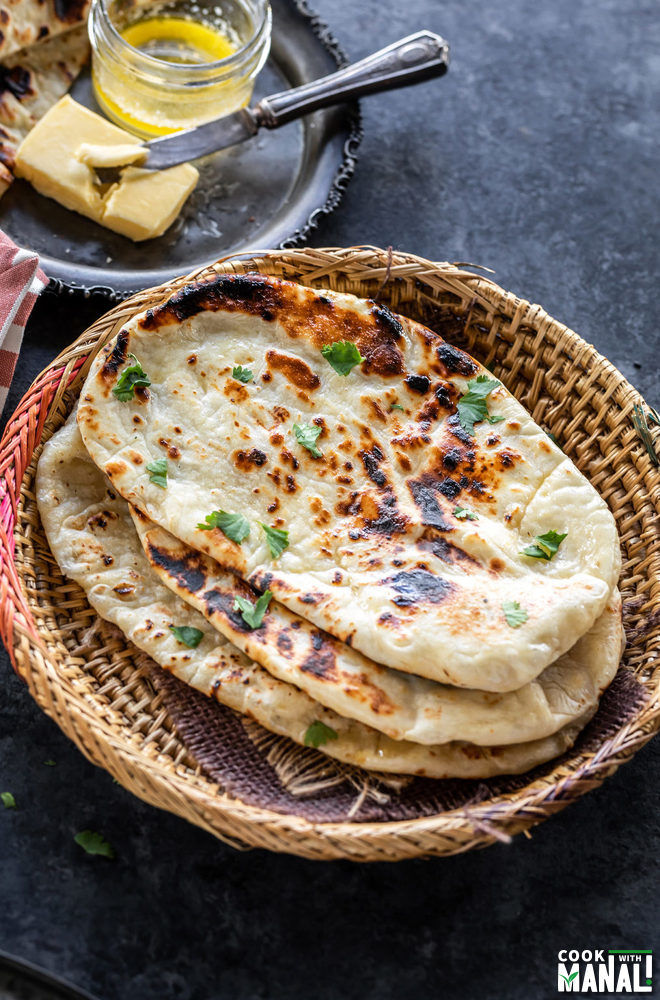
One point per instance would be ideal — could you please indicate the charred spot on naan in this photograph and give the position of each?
(434, 512)
(115, 357)
(221, 602)
(371, 461)
(321, 661)
(99, 521)
(418, 383)
(187, 569)
(246, 461)
(386, 520)
(236, 392)
(454, 361)
(70, 11)
(301, 311)
(418, 586)
(16, 81)
(249, 293)
(446, 551)
(295, 370)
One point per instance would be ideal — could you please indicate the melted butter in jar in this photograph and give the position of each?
(176, 65)
(178, 40)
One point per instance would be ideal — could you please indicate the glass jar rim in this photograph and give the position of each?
(228, 63)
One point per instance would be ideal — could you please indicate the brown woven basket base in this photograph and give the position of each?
(101, 692)
(219, 742)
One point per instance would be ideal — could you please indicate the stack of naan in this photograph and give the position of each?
(43, 47)
(325, 516)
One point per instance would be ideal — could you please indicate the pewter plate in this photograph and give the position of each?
(269, 192)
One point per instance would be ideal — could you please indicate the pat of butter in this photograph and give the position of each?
(95, 155)
(130, 206)
(143, 203)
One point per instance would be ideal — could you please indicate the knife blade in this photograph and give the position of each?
(410, 60)
(192, 143)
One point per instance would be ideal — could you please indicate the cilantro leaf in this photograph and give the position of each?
(318, 733)
(462, 513)
(189, 636)
(397, 406)
(253, 614)
(131, 378)
(241, 374)
(94, 843)
(8, 800)
(277, 538)
(343, 355)
(234, 526)
(473, 405)
(514, 614)
(158, 472)
(546, 545)
(306, 435)
(495, 420)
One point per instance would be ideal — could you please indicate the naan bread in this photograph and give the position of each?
(376, 554)
(397, 704)
(30, 83)
(91, 535)
(23, 23)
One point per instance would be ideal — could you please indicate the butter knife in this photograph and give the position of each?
(411, 60)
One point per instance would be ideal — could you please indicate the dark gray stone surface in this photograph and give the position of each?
(536, 156)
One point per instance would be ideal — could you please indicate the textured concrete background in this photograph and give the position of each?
(536, 157)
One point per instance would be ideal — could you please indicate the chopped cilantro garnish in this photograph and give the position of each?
(277, 538)
(514, 614)
(473, 405)
(462, 513)
(94, 843)
(234, 526)
(8, 800)
(188, 635)
(397, 406)
(318, 733)
(253, 614)
(546, 545)
(241, 374)
(132, 378)
(49, 763)
(307, 435)
(158, 472)
(343, 355)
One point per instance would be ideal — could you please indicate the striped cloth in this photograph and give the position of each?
(21, 280)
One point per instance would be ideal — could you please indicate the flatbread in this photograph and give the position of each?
(376, 555)
(32, 81)
(25, 23)
(397, 704)
(91, 536)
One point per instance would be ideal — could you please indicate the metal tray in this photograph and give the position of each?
(269, 192)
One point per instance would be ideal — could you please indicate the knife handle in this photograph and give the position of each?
(410, 60)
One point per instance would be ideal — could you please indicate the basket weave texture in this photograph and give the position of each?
(96, 686)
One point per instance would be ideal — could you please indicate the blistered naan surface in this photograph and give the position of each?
(395, 703)
(376, 554)
(91, 535)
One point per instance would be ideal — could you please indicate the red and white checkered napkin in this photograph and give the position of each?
(21, 280)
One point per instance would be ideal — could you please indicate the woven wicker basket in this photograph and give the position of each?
(95, 685)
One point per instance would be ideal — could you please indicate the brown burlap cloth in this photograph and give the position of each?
(232, 754)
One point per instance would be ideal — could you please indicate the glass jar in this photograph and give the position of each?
(165, 85)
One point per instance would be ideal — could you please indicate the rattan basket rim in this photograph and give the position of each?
(42, 409)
